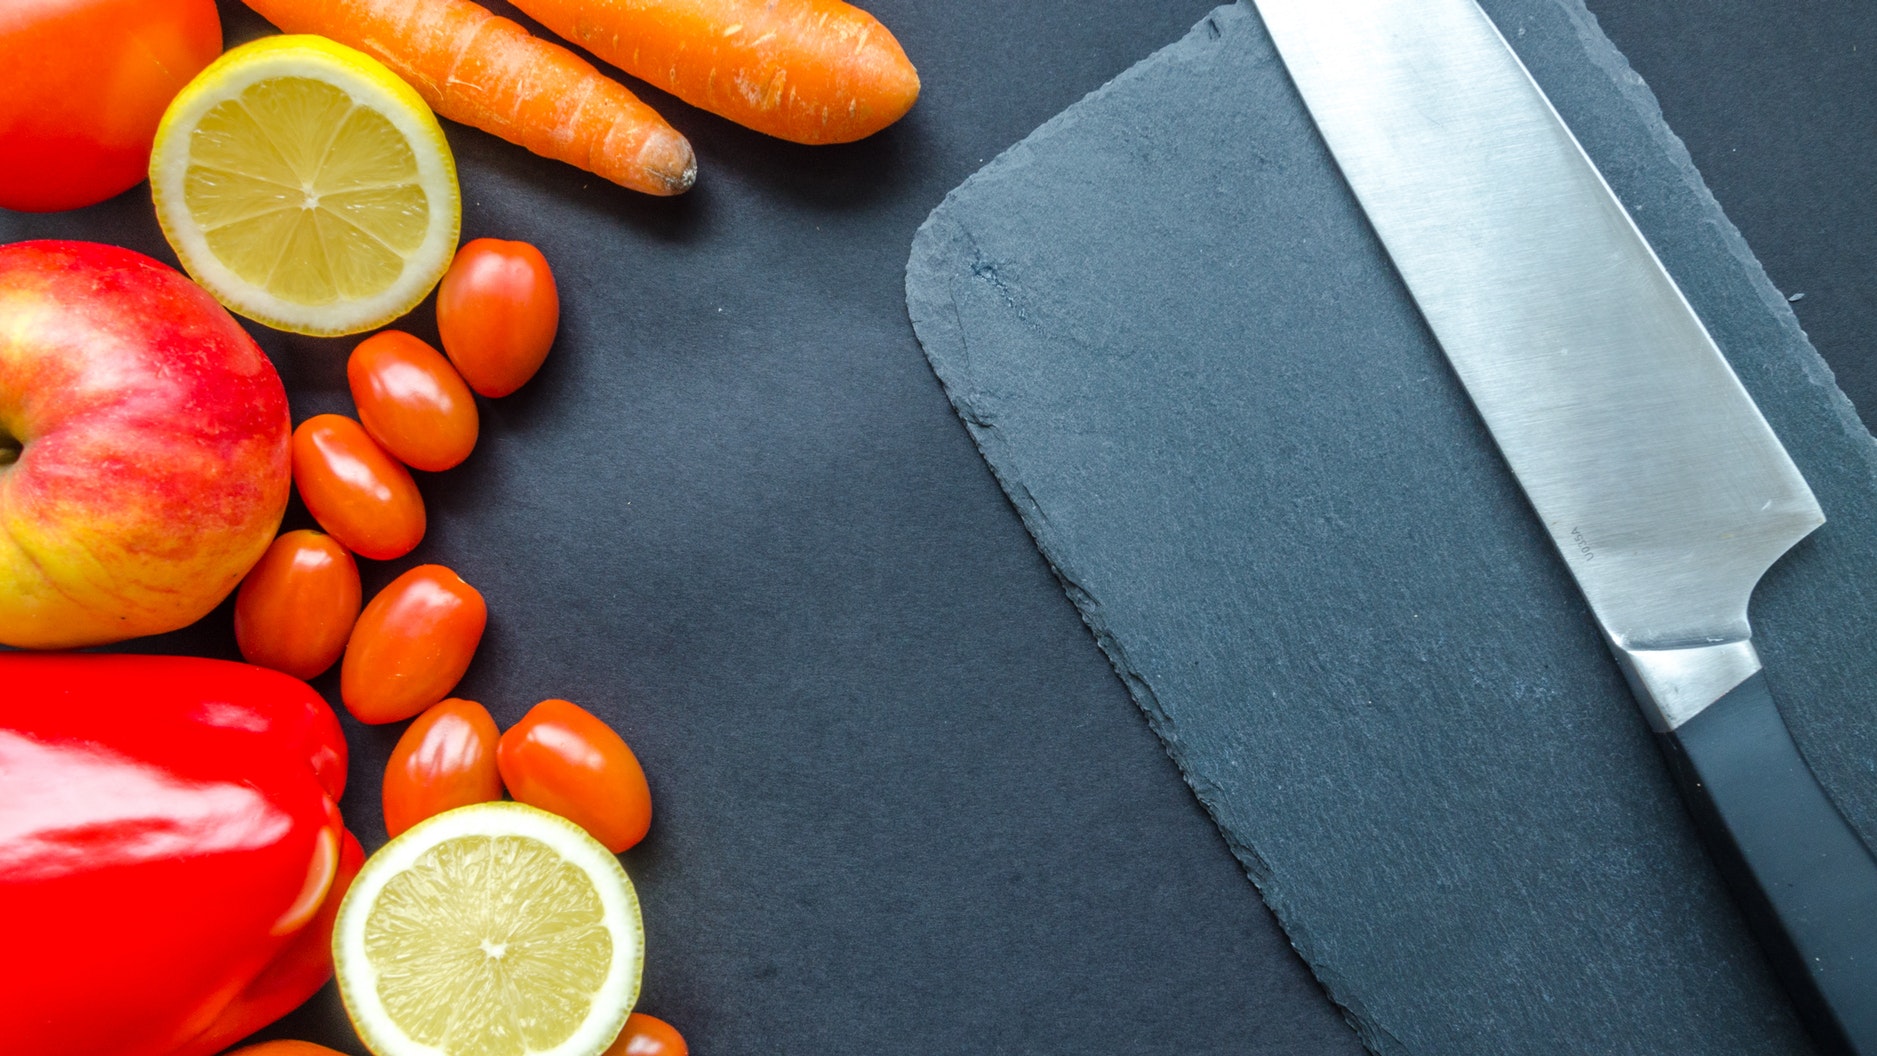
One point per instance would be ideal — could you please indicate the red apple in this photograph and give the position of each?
(143, 447)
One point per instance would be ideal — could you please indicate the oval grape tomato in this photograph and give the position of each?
(412, 401)
(497, 313)
(86, 83)
(359, 494)
(645, 1035)
(286, 1048)
(297, 605)
(411, 645)
(562, 758)
(444, 760)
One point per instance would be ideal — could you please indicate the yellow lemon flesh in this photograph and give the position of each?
(306, 187)
(490, 930)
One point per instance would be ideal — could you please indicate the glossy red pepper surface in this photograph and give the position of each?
(298, 970)
(168, 836)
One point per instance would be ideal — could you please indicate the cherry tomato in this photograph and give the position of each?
(497, 311)
(297, 605)
(645, 1035)
(86, 83)
(412, 401)
(298, 1048)
(446, 759)
(359, 494)
(411, 645)
(562, 758)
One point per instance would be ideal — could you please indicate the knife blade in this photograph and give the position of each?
(1660, 483)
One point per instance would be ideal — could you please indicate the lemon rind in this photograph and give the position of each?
(369, 84)
(357, 979)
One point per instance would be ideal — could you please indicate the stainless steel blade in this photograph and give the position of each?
(1657, 477)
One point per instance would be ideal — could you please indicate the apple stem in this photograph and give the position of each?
(9, 449)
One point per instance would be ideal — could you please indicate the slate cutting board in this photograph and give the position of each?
(1191, 367)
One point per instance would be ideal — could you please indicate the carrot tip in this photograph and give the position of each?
(680, 182)
(666, 165)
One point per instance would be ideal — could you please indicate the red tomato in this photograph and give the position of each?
(645, 1035)
(86, 83)
(445, 760)
(359, 494)
(412, 401)
(497, 311)
(295, 1048)
(562, 758)
(411, 645)
(295, 609)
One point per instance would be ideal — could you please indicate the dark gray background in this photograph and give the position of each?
(903, 802)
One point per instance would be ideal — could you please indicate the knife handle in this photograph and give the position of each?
(1806, 881)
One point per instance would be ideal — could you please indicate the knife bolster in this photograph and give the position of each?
(1675, 685)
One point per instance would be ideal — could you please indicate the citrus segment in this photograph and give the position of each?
(447, 964)
(306, 186)
(490, 930)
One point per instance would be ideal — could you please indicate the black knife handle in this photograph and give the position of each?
(1808, 885)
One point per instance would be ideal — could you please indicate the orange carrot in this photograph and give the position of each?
(487, 71)
(810, 71)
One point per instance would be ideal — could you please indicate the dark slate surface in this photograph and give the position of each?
(1206, 394)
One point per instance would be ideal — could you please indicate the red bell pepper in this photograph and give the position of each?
(171, 852)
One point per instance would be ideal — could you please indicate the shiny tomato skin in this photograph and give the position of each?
(497, 313)
(288, 1048)
(645, 1035)
(296, 607)
(564, 759)
(86, 83)
(444, 760)
(412, 401)
(411, 645)
(359, 494)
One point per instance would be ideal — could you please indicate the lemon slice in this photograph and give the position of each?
(306, 186)
(491, 930)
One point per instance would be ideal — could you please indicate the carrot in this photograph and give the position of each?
(483, 70)
(810, 71)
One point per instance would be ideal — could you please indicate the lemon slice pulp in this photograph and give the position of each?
(306, 186)
(490, 930)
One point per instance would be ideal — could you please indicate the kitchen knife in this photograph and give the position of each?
(1662, 485)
